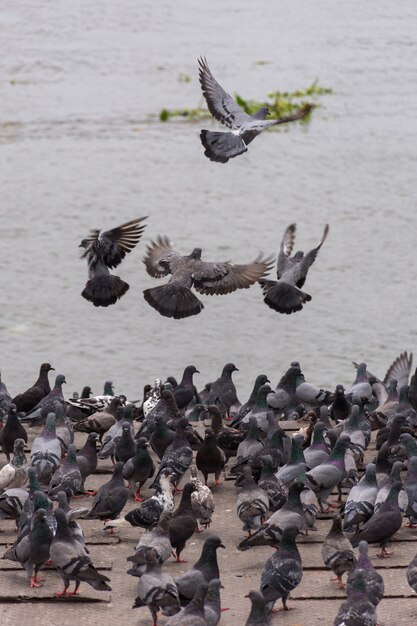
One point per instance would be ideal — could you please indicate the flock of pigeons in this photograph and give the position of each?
(105, 250)
(282, 482)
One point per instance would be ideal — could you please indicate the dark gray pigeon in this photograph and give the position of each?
(12, 502)
(175, 299)
(87, 456)
(68, 476)
(223, 390)
(178, 456)
(205, 570)
(185, 392)
(410, 487)
(47, 404)
(210, 459)
(357, 610)
(27, 400)
(282, 571)
(412, 573)
(325, 477)
(72, 516)
(374, 583)
(12, 430)
(161, 437)
(221, 147)
(71, 560)
(252, 502)
(276, 492)
(104, 251)
(111, 497)
(125, 447)
(285, 295)
(183, 522)
(337, 551)
(33, 549)
(261, 379)
(139, 468)
(156, 589)
(212, 603)
(259, 615)
(193, 613)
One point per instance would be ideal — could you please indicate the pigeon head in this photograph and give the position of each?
(108, 388)
(196, 253)
(181, 424)
(190, 370)
(46, 367)
(18, 445)
(72, 453)
(339, 390)
(209, 433)
(213, 589)
(214, 541)
(142, 442)
(126, 427)
(298, 255)
(84, 244)
(229, 368)
(59, 380)
(62, 499)
(92, 436)
(86, 392)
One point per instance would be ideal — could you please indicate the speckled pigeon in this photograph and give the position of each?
(374, 583)
(67, 477)
(222, 146)
(252, 502)
(337, 551)
(357, 610)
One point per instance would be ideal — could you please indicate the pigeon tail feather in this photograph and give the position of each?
(173, 301)
(104, 290)
(283, 297)
(221, 147)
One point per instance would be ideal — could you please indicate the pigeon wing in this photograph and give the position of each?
(285, 249)
(159, 256)
(220, 104)
(399, 370)
(302, 268)
(222, 278)
(111, 246)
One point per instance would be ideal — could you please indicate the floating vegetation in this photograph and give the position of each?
(279, 103)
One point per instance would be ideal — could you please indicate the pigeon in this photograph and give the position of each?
(411, 573)
(383, 492)
(360, 502)
(337, 551)
(210, 458)
(410, 445)
(27, 400)
(356, 610)
(175, 299)
(161, 437)
(340, 407)
(205, 569)
(410, 487)
(15, 473)
(47, 404)
(72, 516)
(250, 445)
(284, 295)
(212, 603)
(100, 422)
(111, 498)
(220, 146)
(201, 499)
(32, 551)
(165, 409)
(178, 456)
(95, 404)
(274, 489)
(45, 455)
(361, 386)
(72, 561)
(252, 502)
(105, 250)
(63, 428)
(261, 411)
(261, 379)
(258, 616)
(12, 502)
(184, 393)
(87, 456)
(282, 571)
(183, 522)
(125, 447)
(309, 394)
(12, 430)
(67, 477)
(5, 398)
(156, 538)
(227, 438)
(351, 427)
(193, 613)
(289, 515)
(288, 472)
(223, 390)
(150, 511)
(318, 451)
(383, 524)
(139, 468)
(325, 477)
(156, 589)
(75, 413)
(374, 583)
(113, 435)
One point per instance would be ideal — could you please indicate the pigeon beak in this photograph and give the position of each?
(267, 381)
(52, 368)
(222, 546)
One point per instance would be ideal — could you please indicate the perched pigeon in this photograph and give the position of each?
(223, 390)
(110, 498)
(150, 511)
(410, 487)
(156, 589)
(193, 613)
(285, 295)
(261, 379)
(47, 404)
(101, 421)
(87, 456)
(12, 430)
(227, 438)
(104, 251)
(361, 386)
(288, 472)
(325, 477)
(205, 570)
(374, 583)
(340, 407)
(274, 489)
(161, 437)
(337, 551)
(185, 392)
(178, 456)
(201, 499)
(212, 603)
(282, 571)
(252, 502)
(67, 477)
(357, 610)
(125, 447)
(15, 473)
(360, 502)
(12, 502)
(219, 146)
(139, 468)
(260, 411)
(183, 522)
(45, 455)
(33, 549)
(64, 429)
(318, 451)
(210, 458)
(27, 400)
(72, 561)
(113, 435)
(382, 494)
(249, 446)
(175, 299)
(259, 615)
(72, 516)
(156, 538)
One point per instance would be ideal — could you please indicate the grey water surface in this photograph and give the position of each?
(78, 150)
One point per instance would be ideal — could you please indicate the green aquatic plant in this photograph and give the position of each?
(279, 103)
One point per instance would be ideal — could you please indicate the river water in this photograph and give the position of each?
(79, 151)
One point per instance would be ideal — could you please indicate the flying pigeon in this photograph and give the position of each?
(284, 295)
(175, 299)
(221, 147)
(104, 251)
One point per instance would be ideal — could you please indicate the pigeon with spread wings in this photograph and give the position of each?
(285, 295)
(175, 299)
(104, 251)
(244, 128)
